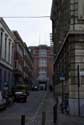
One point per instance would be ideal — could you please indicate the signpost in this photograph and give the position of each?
(62, 77)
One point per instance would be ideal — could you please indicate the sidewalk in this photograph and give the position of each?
(63, 119)
(47, 106)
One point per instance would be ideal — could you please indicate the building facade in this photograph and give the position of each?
(18, 59)
(28, 66)
(23, 63)
(68, 28)
(6, 55)
(43, 64)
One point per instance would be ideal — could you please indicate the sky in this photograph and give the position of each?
(33, 31)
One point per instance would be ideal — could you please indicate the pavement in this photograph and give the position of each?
(47, 107)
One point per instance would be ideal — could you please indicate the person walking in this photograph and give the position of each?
(66, 106)
(55, 107)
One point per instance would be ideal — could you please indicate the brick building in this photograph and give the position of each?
(43, 64)
(28, 66)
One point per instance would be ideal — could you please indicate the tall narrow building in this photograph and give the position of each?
(43, 65)
(68, 38)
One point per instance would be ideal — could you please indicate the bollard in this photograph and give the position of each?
(22, 119)
(43, 118)
(55, 114)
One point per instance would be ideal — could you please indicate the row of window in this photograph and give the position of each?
(42, 62)
(5, 47)
(42, 71)
(77, 9)
(43, 75)
(42, 52)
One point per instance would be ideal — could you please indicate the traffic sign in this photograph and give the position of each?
(62, 77)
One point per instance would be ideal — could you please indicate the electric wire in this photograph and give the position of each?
(25, 17)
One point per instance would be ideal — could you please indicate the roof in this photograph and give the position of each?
(7, 28)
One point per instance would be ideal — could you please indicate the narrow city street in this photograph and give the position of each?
(42, 62)
(12, 115)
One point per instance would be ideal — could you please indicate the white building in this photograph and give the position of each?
(6, 55)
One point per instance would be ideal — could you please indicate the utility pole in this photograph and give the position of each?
(78, 75)
(62, 97)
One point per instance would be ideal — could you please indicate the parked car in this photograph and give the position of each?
(35, 87)
(20, 96)
(21, 93)
(2, 102)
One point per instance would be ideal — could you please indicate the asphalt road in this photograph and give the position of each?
(12, 115)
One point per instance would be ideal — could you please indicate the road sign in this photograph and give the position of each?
(62, 77)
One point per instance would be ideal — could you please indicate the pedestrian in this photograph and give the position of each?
(55, 113)
(66, 106)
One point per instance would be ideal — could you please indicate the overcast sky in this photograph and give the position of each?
(33, 31)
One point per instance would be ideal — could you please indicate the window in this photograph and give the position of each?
(43, 73)
(71, 27)
(42, 53)
(42, 62)
(72, 1)
(9, 50)
(72, 21)
(9, 77)
(4, 76)
(81, 9)
(5, 46)
(35, 52)
(72, 7)
(1, 40)
(72, 13)
(76, 6)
